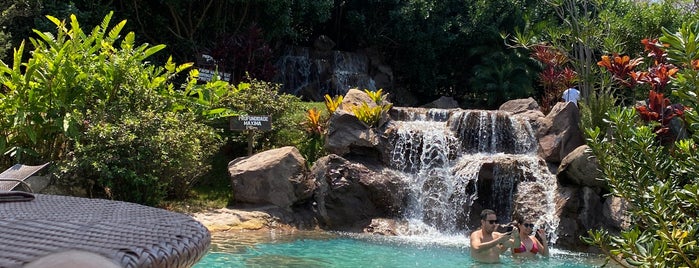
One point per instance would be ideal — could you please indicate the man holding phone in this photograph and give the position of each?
(486, 244)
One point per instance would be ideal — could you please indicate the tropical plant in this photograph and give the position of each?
(658, 181)
(555, 76)
(370, 115)
(312, 147)
(72, 74)
(377, 96)
(332, 103)
(112, 122)
(657, 108)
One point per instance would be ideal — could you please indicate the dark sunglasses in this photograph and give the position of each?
(492, 221)
(530, 225)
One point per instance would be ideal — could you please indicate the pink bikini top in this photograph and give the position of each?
(522, 248)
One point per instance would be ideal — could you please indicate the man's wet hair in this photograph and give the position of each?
(486, 212)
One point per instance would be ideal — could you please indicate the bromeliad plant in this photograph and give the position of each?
(371, 114)
(377, 96)
(332, 103)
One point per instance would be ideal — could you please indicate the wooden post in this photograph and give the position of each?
(251, 140)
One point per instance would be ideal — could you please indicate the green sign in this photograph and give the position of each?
(251, 122)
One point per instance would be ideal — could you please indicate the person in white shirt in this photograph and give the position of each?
(571, 95)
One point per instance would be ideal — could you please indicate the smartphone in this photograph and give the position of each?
(508, 229)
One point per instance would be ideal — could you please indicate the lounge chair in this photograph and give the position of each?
(17, 174)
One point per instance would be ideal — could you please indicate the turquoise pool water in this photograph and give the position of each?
(313, 249)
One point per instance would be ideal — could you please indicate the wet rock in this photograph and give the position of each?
(349, 193)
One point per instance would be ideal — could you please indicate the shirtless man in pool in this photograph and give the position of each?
(486, 244)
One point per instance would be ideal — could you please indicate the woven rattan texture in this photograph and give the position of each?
(130, 234)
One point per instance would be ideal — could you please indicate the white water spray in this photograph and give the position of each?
(443, 153)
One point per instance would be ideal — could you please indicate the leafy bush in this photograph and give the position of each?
(69, 75)
(143, 157)
(111, 121)
(257, 97)
(660, 182)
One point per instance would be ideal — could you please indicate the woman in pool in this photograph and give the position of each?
(529, 245)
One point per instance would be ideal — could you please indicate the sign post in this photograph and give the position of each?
(250, 124)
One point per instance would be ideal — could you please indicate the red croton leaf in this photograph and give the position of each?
(655, 50)
(621, 67)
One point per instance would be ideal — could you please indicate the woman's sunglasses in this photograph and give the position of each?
(530, 225)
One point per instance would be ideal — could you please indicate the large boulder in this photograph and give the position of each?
(518, 106)
(346, 133)
(525, 108)
(350, 193)
(580, 168)
(559, 133)
(276, 177)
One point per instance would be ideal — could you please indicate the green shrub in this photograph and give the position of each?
(258, 97)
(143, 157)
(113, 123)
(72, 74)
(660, 182)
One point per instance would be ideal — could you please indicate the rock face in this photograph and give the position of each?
(559, 133)
(443, 103)
(312, 72)
(350, 193)
(581, 168)
(347, 133)
(276, 177)
(353, 189)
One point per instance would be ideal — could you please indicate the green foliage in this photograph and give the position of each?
(263, 98)
(660, 182)
(72, 74)
(143, 157)
(331, 104)
(593, 112)
(112, 122)
(377, 96)
(371, 115)
(500, 77)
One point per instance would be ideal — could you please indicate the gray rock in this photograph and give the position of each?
(581, 168)
(276, 177)
(559, 133)
(349, 194)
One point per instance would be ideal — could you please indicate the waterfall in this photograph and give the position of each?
(457, 160)
(312, 74)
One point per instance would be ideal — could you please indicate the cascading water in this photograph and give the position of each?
(309, 73)
(457, 159)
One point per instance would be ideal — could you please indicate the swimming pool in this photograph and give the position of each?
(323, 249)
